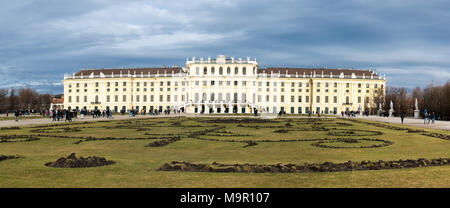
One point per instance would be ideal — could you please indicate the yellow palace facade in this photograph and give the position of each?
(224, 85)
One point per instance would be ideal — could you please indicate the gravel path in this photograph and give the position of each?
(443, 125)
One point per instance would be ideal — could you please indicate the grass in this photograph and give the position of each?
(137, 165)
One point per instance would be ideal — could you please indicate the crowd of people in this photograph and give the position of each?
(69, 115)
(428, 117)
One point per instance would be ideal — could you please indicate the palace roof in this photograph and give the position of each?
(132, 71)
(317, 71)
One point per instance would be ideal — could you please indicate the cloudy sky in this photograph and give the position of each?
(40, 40)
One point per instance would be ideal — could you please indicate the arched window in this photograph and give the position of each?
(228, 70)
(204, 96)
(96, 98)
(219, 98)
(347, 100)
(228, 97)
(212, 97)
(236, 70)
(197, 70)
(244, 97)
(213, 70)
(235, 97)
(196, 97)
(220, 71)
(205, 71)
(244, 71)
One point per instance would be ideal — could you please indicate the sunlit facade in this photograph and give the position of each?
(224, 85)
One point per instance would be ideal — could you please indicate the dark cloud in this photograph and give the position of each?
(42, 40)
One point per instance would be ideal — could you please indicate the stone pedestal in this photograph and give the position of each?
(416, 114)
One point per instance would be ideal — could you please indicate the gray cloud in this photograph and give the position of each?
(42, 40)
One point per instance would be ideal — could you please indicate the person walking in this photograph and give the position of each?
(53, 115)
(402, 116)
(433, 117)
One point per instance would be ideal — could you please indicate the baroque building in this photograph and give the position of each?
(224, 85)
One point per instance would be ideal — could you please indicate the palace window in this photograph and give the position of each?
(228, 70)
(236, 70)
(205, 71)
(220, 71)
(244, 71)
(213, 70)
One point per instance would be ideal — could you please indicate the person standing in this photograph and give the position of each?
(16, 114)
(433, 116)
(425, 116)
(402, 116)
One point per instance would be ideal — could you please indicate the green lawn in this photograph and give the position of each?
(136, 165)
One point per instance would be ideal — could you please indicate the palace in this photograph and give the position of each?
(224, 85)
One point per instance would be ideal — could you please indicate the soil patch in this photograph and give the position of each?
(307, 167)
(83, 162)
(8, 157)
